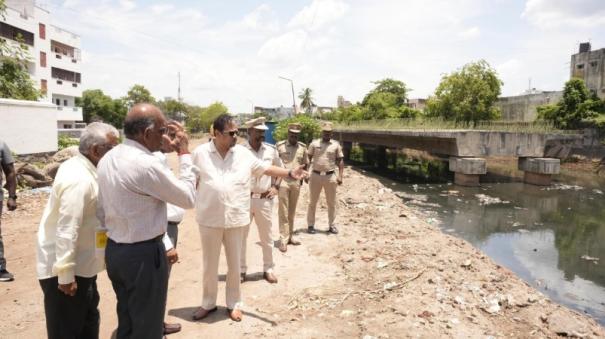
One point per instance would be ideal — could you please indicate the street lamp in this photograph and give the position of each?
(293, 100)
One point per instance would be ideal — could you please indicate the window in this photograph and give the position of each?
(58, 102)
(580, 66)
(42, 29)
(16, 34)
(594, 64)
(42, 59)
(64, 102)
(43, 86)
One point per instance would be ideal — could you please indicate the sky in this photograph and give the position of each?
(235, 51)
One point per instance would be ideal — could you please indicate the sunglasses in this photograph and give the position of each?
(231, 133)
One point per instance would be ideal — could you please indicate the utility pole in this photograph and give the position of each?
(293, 98)
(178, 96)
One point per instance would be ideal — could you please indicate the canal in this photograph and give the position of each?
(552, 237)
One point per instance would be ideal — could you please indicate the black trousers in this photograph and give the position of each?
(139, 276)
(69, 317)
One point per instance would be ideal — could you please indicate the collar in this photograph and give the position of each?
(87, 164)
(213, 148)
(262, 145)
(136, 144)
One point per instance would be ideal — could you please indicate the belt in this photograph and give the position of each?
(148, 241)
(324, 173)
(173, 223)
(259, 195)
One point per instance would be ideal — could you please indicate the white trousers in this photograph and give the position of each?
(260, 211)
(212, 238)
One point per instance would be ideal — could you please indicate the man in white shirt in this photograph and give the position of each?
(134, 188)
(264, 188)
(68, 237)
(175, 216)
(223, 208)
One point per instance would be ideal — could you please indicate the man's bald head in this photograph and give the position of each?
(140, 117)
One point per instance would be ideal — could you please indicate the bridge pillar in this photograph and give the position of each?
(381, 157)
(539, 171)
(467, 170)
(347, 146)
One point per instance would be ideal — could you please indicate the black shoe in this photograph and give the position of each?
(242, 277)
(311, 229)
(5, 276)
(333, 230)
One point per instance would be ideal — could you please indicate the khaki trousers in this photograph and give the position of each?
(260, 211)
(212, 238)
(288, 198)
(316, 183)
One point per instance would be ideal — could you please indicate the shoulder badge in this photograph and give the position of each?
(302, 144)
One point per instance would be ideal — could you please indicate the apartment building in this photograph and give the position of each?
(54, 56)
(589, 65)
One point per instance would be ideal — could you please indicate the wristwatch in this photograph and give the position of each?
(14, 197)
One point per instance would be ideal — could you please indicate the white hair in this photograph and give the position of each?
(96, 134)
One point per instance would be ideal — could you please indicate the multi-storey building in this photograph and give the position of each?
(54, 56)
(589, 65)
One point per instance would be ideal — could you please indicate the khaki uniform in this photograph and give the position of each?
(292, 156)
(326, 156)
(261, 208)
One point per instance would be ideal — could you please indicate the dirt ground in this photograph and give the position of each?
(388, 274)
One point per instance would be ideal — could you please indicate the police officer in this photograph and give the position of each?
(264, 188)
(293, 154)
(325, 155)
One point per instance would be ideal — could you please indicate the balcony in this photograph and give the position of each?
(67, 113)
(62, 36)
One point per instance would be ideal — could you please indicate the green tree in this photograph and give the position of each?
(138, 94)
(397, 89)
(576, 105)
(310, 128)
(173, 109)
(97, 106)
(388, 100)
(306, 97)
(467, 95)
(200, 118)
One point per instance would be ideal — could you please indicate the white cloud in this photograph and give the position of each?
(470, 33)
(560, 13)
(318, 14)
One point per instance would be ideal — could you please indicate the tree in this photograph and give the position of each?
(396, 89)
(310, 128)
(173, 109)
(138, 94)
(306, 97)
(467, 95)
(576, 105)
(97, 106)
(200, 118)
(388, 100)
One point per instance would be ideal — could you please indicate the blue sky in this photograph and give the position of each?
(234, 51)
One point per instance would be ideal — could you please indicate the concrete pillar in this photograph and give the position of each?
(467, 170)
(381, 157)
(539, 171)
(347, 146)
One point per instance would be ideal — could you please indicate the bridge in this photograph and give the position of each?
(538, 153)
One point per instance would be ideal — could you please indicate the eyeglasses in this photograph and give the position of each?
(231, 133)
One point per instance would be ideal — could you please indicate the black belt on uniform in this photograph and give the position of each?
(152, 240)
(173, 223)
(323, 173)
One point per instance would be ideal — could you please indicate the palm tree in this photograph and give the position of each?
(306, 99)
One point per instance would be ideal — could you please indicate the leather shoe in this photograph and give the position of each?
(311, 230)
(202, 313)
(270, 277)
(171, 328)
(242, 277)
(294, 242)
(333, 230)
(283, 247)
(235, 314)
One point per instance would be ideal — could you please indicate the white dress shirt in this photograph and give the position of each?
(134, 187)
(66, 235)
(268, 155)
(223, 192)
(175, 213)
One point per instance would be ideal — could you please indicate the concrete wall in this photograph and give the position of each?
(590, 66)
(523, 107)
(28, 126)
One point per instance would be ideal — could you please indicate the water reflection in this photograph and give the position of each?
(540, 234)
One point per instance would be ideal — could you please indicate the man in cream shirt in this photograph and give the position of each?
(67, 237)
(223, 209)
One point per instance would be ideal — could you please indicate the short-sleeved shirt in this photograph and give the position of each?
(325, 155)
(292, 156)
(268, 155)
(223, 191)
(6, 158)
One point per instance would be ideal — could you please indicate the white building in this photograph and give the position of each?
(55, 57)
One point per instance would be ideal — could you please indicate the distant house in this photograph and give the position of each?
(589, 66)
(523, 107)
(342, 103)
(276, 113)
(417, 103)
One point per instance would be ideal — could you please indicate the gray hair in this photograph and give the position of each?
(96, 134)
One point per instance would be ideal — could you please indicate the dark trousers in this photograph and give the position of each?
(2, 259)
(139, 276)
(173, 233)
(69, 317)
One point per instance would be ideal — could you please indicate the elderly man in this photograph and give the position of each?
(264, 188)
(134, 187)
(293, 154)
(223, 208)
(68, 237)
(325, 155)
(7, 163)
